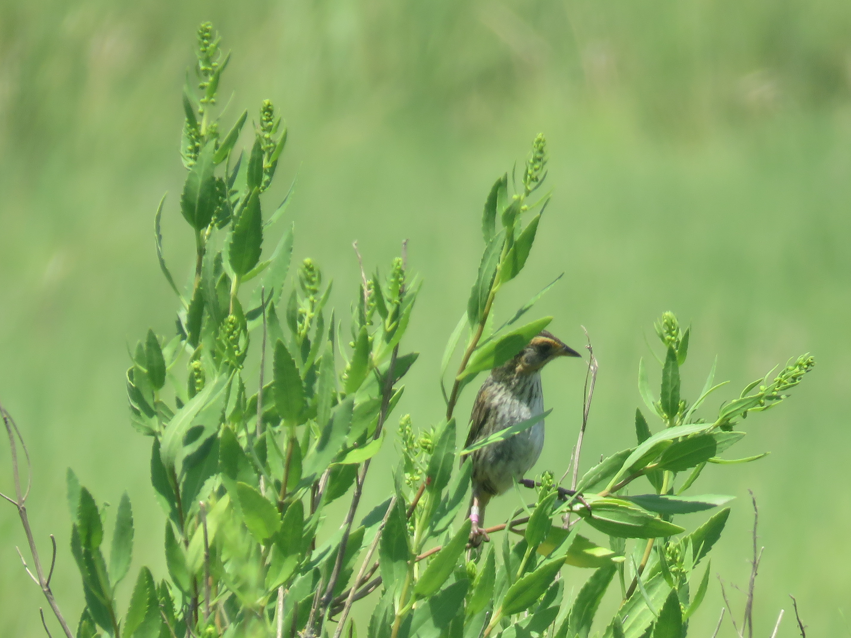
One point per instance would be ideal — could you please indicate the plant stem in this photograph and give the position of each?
(20, 503)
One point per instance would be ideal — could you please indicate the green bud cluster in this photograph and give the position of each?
(536, 165)
(192, 140)
(792, 374)
(668, 330)
(197, 378)
(222, 215)
(267, 126)
(309, 278)
(208, 60)
(547, 485)
(396, 282)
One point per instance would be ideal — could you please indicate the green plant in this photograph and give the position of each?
(245, 467)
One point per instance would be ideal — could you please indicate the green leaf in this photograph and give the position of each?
(489, 213)
(330, 442)
(617, 517)
(433, 617)
(508, 432)
(198, 202)
(483, 586)
(179, 425)
(670, 623)
(688, 453)
(440, 464)
(526, 307)
(682, 351)
(443, 563)
(260, 516)
(588, 601)
(88, 521)
(143, 615)
(359, 366)
(500, 350)
(603, 471)
(175, 559)
(247, 237)
(287, 548)
(700, 594)
(158, 240)
(692, 477)
(642, 430)
(450, 348)
(288, 388)
(484, 281)
(73, 493)
(519, 252)
(539, 522)
(670, 393)
(255, 165)
(644, 387)
(394, 550)
(358, 455)
(122, 541)
(678, 504)
(635, 614)
(747, 459)
(447, 508)
(645, 453)
(230, 139)
(155, 362)
(511, 213)
(276, 275)
(704, 537)
(581, 552)
(526, 590)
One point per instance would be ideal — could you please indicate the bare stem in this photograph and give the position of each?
(203, 509)
(777, 626)
(587, 397)
(325, 601)
(19, 502)
(757, 555)
(798, 617)
(718, 626)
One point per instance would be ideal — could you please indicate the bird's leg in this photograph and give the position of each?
(477, 516)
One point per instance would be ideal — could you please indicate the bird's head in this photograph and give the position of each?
(543, 348)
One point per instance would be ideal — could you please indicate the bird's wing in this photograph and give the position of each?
(481, 410)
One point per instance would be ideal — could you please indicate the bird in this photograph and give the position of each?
(512, 393)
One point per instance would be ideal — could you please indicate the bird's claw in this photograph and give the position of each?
(478, 536)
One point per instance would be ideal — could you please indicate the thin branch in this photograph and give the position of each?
(167, 623)
(757, 555)
(328, 597)
(44, 623)
(718, 626)
(279, 611)
(405, 254)
(417, 498)
(801, 626)
(203, 509)
(362, 571)
(777, 626)
(26, 567)
(20, 503)
(729, 608)
(257, 427)
(587, 397)
(52, 559)
(362, 275)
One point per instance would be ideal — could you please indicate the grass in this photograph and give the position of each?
(700, 157)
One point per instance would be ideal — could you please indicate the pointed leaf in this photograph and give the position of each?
(526, 590)
(617, 517)
(489, 213)
(255, 165)
(288, 388)
(230, 139)
(276, 275)
(644, 386)
(155, 361)
(330, 442)
(443, 563)
(500, 350)
(394, 550)
(198, 202)
(359, 367)
(122, 541)
(678, 504)
(508, 432)
(587, 602)
(158, 240)
(670, 394)
(483, 586)
(260, 516)
(519, 252)
(443, 459)
(247, 238)
(670, 623)
(689, 452)
(175, 559)
(433, 617)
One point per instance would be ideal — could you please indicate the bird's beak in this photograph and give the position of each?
(567, 351)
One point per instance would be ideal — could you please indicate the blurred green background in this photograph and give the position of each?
(700, 155)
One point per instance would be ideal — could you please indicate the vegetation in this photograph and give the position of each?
(246, 468)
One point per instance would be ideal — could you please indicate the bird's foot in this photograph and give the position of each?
(478, 536)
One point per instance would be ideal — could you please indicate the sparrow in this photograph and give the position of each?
(511, 394)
